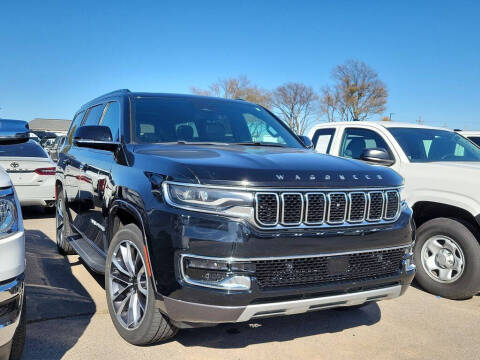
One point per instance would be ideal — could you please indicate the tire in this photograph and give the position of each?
(62, 226)
(447, 244)
(18, 341)
(151, 325)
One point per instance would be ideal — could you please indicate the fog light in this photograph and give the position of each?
(216, 273)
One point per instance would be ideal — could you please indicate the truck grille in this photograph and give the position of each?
(326, 269)
(333, 208)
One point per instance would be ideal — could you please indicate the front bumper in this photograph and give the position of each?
(11, 300)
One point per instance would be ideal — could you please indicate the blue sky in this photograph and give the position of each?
(57, 55)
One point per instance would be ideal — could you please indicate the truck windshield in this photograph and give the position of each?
(200, 120)
(429, 145)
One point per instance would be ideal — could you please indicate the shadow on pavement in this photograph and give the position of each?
(52, 293)
(37, 212)
(279, 329)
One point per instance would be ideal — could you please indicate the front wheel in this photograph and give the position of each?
(62, 226)
(130, 294)
(447, 254)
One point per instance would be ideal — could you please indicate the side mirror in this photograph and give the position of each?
(13, 131)
(94, 137)
(377, 156)
(306, 141)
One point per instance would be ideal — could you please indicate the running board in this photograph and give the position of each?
(88, 252)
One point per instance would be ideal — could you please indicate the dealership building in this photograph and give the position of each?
(57, 126)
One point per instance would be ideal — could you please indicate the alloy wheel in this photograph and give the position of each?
(128, 285)
(59, 222)
(442, 259)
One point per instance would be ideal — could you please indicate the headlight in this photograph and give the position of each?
(403, 194)
(8, 213)
(215, 200)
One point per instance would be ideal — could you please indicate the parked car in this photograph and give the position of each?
(12, 254)
(441, 170)
(53, 150)
(32, 172)
(472, 136)
(202, 210)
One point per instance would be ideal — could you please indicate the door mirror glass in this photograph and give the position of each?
(94, 136)
(306, 141)
(378, 156)
(13, 131)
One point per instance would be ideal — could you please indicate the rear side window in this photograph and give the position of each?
(93, 116)
(322, 140)
(27, 149)
(112, 119)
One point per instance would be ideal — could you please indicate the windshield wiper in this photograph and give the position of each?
(200, 143)
(258, 144)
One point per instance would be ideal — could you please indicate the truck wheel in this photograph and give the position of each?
(130, 293)
(447, 255)
(62, 226)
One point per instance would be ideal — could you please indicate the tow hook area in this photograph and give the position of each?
(50, 203)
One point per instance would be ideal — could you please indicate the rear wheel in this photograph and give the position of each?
(130, 294)
(447, 254)
(62, 226)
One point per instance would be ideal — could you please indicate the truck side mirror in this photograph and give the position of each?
(94, 137)
(377, 156)
(306, 141)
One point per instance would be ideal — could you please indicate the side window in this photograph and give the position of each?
(111, 118)
(356, 140)
(75, 123)
(93, 115)
(322, 140)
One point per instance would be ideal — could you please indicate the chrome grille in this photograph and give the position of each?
(392, 203)
(337, 209)
(292, 208)
(375, 210)
(325, 208)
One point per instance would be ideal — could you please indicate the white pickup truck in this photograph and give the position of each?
(442, 183)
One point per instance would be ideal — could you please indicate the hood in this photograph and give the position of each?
(4, 179)
(260, 166)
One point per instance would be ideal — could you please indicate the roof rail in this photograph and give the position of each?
(115, 92)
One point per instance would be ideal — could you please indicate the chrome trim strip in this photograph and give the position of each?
(370, 205)
(350, 206)
(282, 196)
(324, 302)
(256, 208)
(235, 259)
(275, 189)
(386, 204)
(324, 208)
(330, 205)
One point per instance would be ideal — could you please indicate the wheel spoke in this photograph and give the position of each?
(119, 266)
(445, 274)
(128, 258)
(434, 247)
(431, 264)
(122, 305)
(133, 311)
(120, 291)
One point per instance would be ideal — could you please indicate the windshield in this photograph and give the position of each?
(161, 120)
(428, 145)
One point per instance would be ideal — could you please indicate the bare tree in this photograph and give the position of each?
(357, 93)
(296, 104)
(237, 88)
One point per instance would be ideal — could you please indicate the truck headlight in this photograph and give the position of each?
(209, 199)
(8, 214)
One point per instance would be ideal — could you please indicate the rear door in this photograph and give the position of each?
(26, 163)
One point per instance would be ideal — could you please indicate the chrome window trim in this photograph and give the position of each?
(256, 208)
(369, 196)
(282, 196)
(350, 206)
(330, 205)
(386, 203)
(236, 259)
(324, 208)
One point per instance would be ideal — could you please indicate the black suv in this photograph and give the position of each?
(202, 210)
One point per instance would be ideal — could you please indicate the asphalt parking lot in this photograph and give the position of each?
(68, 319)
